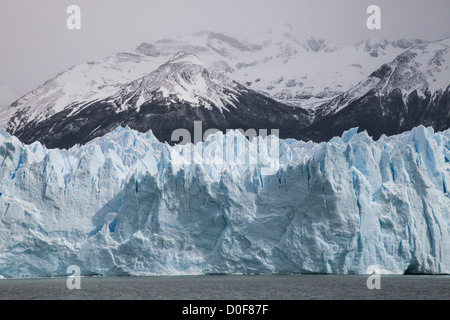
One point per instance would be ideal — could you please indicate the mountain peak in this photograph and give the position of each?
(184, 77)
(185, 58)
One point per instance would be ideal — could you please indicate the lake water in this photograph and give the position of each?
(274, 287)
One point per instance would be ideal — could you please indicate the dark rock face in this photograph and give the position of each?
(163, 117)
(383, 108)
(388, 114)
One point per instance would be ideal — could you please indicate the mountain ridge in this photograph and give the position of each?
(214, 75)
(179, 92)
(411, 90)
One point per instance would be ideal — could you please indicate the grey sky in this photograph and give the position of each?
(36, 45)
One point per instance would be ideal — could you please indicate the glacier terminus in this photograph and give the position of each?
(125, 204)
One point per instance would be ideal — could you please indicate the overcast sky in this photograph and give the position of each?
(36, 44)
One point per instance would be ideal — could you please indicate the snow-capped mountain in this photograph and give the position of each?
(276, 80)
(187, 79)
(126, 204)
(82, 83)
(282, 65)
(179, 92)
(277, 63)
(411, 90)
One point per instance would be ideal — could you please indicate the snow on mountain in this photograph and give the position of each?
(127, 204)
(82, 83)
(422, 68)
(178, 93)
(284, 66)
(300, 71)
(379, 46)
(411, 90)
(185, 77)
(189, 78)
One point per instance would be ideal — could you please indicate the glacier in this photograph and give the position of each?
(128, 204)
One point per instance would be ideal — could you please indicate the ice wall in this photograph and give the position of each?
(128, 204)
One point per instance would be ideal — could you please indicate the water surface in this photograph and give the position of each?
(256, 287)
